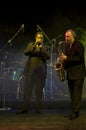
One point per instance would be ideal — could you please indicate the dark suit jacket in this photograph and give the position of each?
(75, 64)
(36, 60)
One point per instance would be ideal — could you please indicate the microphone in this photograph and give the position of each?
(22, 27)
(55, 39)
(61, 42)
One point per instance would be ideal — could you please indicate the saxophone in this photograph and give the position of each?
(58, 66)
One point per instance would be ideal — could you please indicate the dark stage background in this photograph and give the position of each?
(17, 28)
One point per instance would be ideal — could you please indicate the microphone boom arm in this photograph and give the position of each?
(22, 26)
(44, 34)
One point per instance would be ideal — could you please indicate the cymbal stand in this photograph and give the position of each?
(18, 88)
(51, 72)
(4, 89)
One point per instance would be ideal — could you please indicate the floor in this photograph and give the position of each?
(52, 118)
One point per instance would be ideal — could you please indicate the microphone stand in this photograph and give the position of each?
(51, 61)
(4, 108)
(10, 41)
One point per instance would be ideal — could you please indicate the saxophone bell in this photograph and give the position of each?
(57, 65)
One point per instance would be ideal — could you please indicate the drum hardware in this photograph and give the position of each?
(4, 89)
(18, 88)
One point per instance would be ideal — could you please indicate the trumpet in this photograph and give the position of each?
(58, 65)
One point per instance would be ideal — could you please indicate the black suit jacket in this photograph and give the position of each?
(36, 60)
(75, 64)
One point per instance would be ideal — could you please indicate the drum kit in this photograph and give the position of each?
(10, 73)
(5, 69)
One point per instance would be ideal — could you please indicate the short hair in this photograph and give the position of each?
(73, 33)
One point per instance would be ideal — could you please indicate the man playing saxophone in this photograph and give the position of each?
(74, 65)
